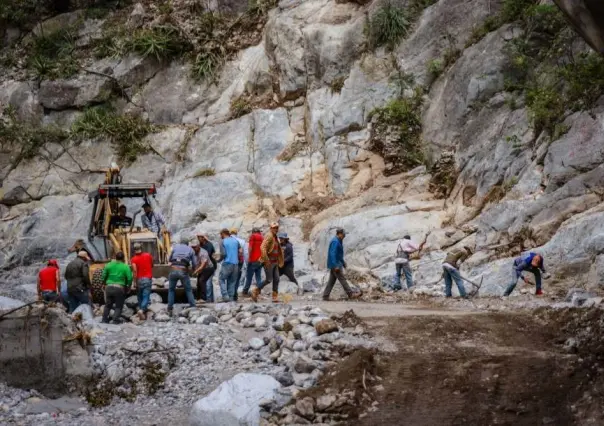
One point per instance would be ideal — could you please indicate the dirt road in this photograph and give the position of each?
(459, 367)
(371, 310)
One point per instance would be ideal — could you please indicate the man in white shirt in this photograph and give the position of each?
(403, 251)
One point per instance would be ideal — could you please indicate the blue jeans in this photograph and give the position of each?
(210, 288)
(183, 277)
(144, 293)
(77, 298)
(452, 273)
(228, 281)
(238, 280)
(50, 296)
(406, 268)
(512, 285)
(254, 268)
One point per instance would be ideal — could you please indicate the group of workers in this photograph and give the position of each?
(272, 253)
(528, 262)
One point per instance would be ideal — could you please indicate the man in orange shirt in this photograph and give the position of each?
(49, 282)
(142, 268)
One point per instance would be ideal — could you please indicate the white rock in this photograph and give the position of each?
(256, 343)
(235, 402)
(85, 311)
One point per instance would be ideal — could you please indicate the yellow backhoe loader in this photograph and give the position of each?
(107, 239)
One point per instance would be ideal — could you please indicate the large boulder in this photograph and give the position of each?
(76, 92)
(235, 402)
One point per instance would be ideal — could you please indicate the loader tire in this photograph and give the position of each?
(98, 291)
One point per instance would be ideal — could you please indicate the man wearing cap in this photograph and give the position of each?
(153, 221)
(79, 246)
(230, 251)
(78, 281)
(335, 264)
(49, 282)
(120, 220)
(242, 258)
(288, 260)
(403, 252)
(254, 262)
(117, 277)
(207, 245)
(182, 260)
(204, 268)
(142, 269)
(451, 269)
(272, 258)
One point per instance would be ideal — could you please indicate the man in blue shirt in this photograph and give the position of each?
(530, 262)
(230, 250)
(182, 261)
(335, 264)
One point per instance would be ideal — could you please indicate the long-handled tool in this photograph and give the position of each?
(474, 292)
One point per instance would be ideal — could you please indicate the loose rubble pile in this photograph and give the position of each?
(165, 365)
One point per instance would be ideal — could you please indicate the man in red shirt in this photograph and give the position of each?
(142, 268)
(254, 265)
(49, 282)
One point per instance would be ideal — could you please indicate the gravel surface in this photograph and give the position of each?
(153, 372)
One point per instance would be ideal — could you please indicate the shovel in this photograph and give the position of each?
(474, 292)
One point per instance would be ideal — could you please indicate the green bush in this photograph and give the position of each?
(435, 67)
(585, 80)
(22, 13)
(546, 107)
(126, 132)
(513, 10)
(160, 42)
(403, 115)
(207, 64)
(388, 27)
(27, 138)
(52, 55)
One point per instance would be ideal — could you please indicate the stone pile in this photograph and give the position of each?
(161, 367)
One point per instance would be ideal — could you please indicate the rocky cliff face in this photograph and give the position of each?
(472, 122)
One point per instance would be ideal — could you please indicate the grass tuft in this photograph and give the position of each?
(388, 27)
(126, 132)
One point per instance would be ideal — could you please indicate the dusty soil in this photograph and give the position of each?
(477, 369)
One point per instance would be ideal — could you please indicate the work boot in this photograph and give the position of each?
(255, 294)
(170, 311)
(275, 297)
(539, 292)
(142, 315)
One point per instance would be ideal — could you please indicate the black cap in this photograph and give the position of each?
(407, 237)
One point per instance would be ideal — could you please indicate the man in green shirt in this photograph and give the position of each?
(117, 277)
